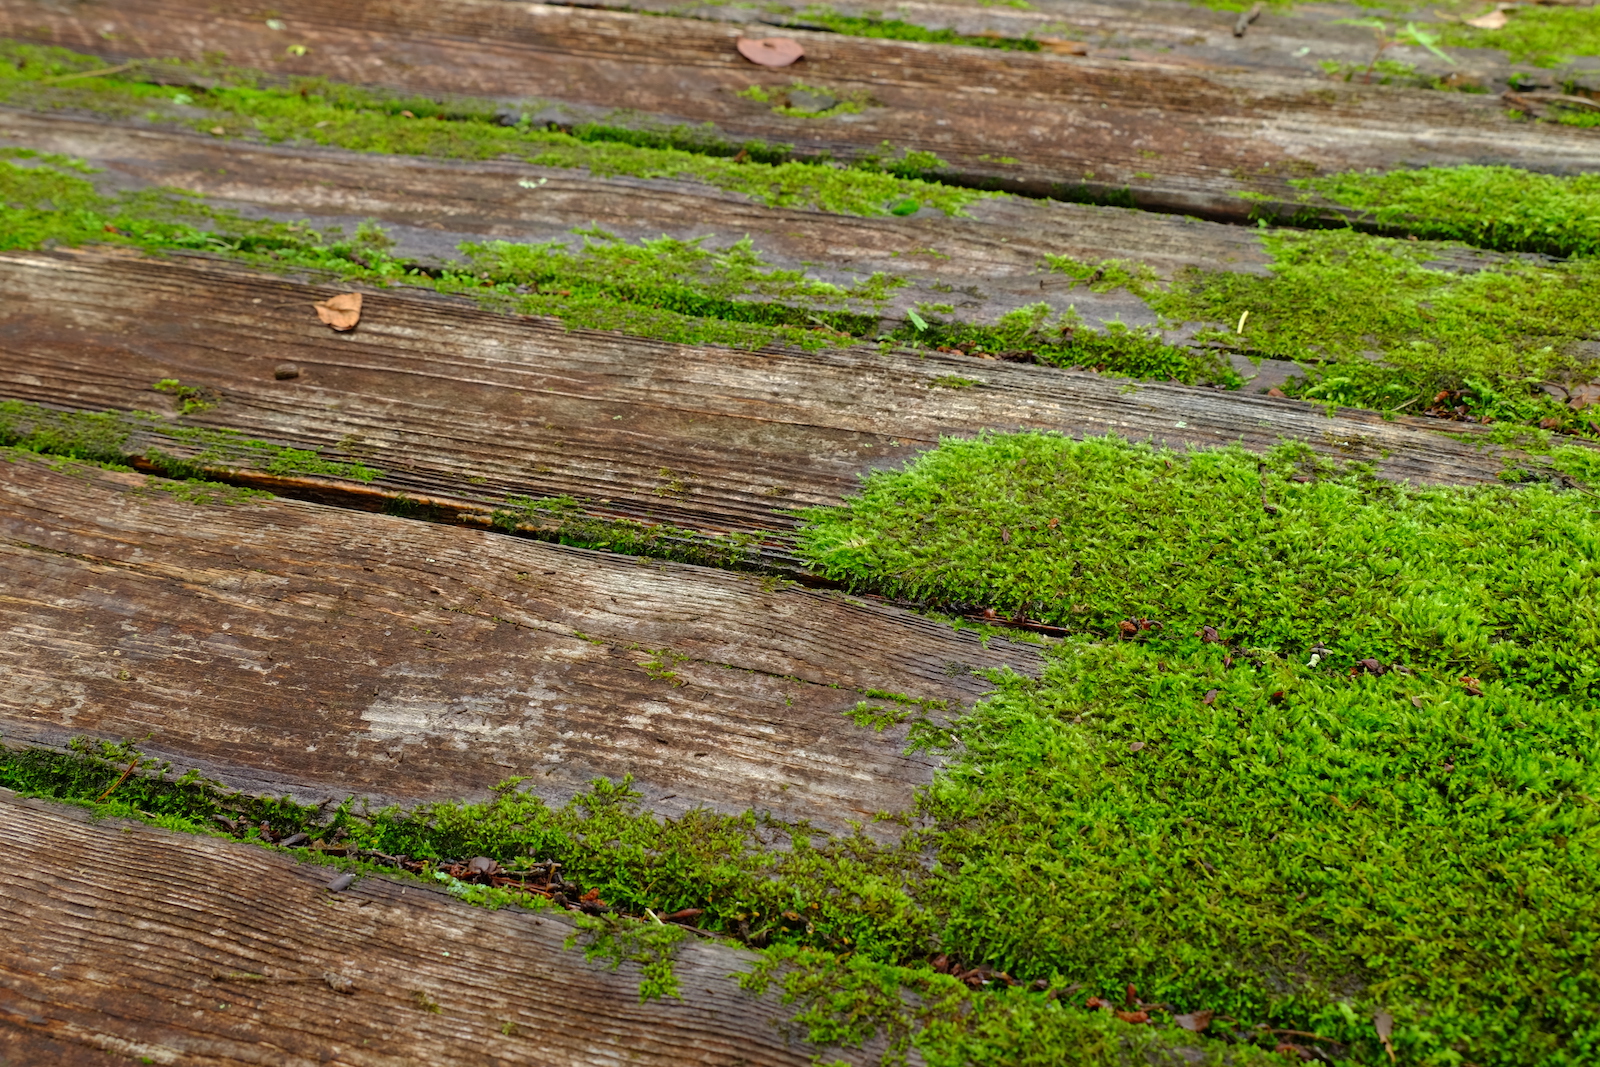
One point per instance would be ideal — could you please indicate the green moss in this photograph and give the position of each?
(650, 944)
(1383, 323)
(127, 439)
(1280, 552)
(365, 120)
(1542, 36)
(1038, 334)
(1502, 208)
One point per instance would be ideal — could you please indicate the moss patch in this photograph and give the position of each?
(1501, 208)
(321, 112)
(1389, 324)
(1542, 36)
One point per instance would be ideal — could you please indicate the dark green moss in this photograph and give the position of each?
(900, 30)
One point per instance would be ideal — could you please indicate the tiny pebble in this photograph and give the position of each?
(341, 883)
(284, 371)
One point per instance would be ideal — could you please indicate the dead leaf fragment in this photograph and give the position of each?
(1383, 1023)
(1494, 19)
(1063, 47)
(342, 312)
(1135, 746)
(1134, 1016)
(1195, 1022)
(770, 51)
(1210, 697)
(1584, 396)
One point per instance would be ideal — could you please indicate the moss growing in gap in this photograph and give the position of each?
(1389, 324)
(1502, 208)
(124, 440)
(345, 116)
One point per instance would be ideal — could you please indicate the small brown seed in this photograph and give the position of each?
(284, 371)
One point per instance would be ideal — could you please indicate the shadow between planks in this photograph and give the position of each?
(1163, 136)
(463, 406)
(290, 647)
(112, 932)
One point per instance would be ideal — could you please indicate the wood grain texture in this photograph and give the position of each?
(1076, 126)
(282, 645)
(457, 404)
(110, 933)
(1286, 39)
(992, 257)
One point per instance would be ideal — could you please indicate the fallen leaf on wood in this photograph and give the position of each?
(770, 51)
(1492, 20)
(342, 312)
(1195, 1022)
(1584, 396)
(1063, 47)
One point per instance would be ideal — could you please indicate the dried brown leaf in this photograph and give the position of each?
(342, 312)
(770, 51)
(1195, 1022)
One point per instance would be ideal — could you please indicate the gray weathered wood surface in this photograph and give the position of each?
(986, 262)
(112, 932)
(1174, 137)
(465, 406)
(290, 647)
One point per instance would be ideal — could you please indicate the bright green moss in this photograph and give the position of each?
(1542, 36)
(347, 117)
(1277, 552)
(1037, 334)
(1491, 207)
(1389, 324)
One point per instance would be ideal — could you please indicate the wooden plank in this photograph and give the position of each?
(113, 930)
(1077, 126)
(287, 646)
(993, 255)
(461, 406)
(1290, 39)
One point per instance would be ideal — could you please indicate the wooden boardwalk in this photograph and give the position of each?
(326, 642)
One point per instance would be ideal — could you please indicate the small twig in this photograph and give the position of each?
(91, 73)
(112, 788)
(1245, 19)
(243, 976)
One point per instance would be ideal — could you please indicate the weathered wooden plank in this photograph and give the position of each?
(464, 406)
(1075, 125)
(112, 932)
(993, 256)
(282, 645)
(1295, 39)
